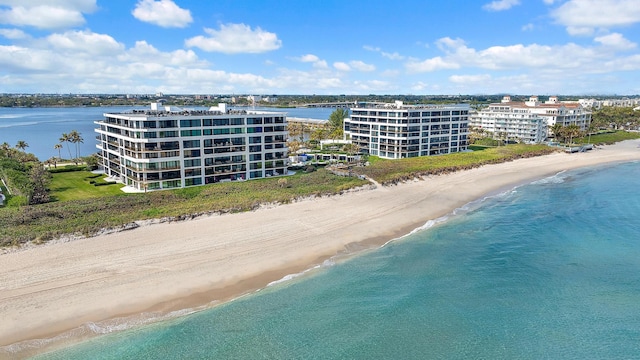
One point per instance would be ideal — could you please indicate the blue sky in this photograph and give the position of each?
(541, 47)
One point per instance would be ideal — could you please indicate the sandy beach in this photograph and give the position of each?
(53, 289)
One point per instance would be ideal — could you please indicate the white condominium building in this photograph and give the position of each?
(165, 148)
(395, 131)
(529, 121)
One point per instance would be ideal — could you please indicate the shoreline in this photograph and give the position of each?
(50, 290)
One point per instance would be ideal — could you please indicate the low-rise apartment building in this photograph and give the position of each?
(529, 121)
(165, 148)
(394, 131)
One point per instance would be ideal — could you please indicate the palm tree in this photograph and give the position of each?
(58, 147)
(66, 138)
(75, 138)
(336, 122)
(21, 145)
(558, 131)
(572, 131)
(5, 147)
(589, 131)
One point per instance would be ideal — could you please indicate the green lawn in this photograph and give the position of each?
(76, 185)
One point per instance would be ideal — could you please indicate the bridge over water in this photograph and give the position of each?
(342, 104)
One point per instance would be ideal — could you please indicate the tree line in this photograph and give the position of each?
(616, 118)
(332, 129)
(27, 177)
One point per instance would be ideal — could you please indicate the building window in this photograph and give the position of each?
(191, 144)
(192, 163)
(190, 123)
(193, 181)
(170, 184)
(190, 133)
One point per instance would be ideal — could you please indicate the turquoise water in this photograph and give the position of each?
(550, 270)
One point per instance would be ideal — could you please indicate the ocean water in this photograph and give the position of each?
(42, 128)
(549, 270)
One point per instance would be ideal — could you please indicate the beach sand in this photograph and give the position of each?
(51, 289)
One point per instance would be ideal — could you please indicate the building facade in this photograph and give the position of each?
(394, 131)
(165, 148)
(529, 121)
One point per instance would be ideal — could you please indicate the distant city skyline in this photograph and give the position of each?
(542, 47)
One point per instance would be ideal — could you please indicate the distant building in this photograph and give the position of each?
(254, 99)
(529, 121)
(598, 104)
(395, 131)
(166, 147)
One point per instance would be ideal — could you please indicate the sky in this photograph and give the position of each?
(271, 47)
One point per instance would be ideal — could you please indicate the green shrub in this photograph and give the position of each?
(68, 168)
(16, 201)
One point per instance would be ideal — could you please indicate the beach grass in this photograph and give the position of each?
(89, 215)
(393, 171)
(77, 185)
(609, 138)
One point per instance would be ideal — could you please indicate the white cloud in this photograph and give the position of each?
(527, 27)
(164, 13)
(428, 65)
(84, 42)
(43, 14)
(310, 58)
(582, 17)
(353, 65)
(22, 60)
(419, 86)
(372, 85)
(13, 34)
(234, 39)
(143, 52)
(447, 43)
(579, 31)
(500, 5)
(466, 79)
(548, 2)
(615, 41)
(342, 66)
(390, 73)
(556, 66)
(392, 56)
(361, 66)
(322, 64)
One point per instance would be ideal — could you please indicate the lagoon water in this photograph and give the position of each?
(548, 270)
(42, 128)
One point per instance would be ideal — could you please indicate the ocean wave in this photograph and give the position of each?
(558, 178)
(92, 329)
(31, 122)
(327, 263)
(459, 211)
(27, 123)
(11, 116)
